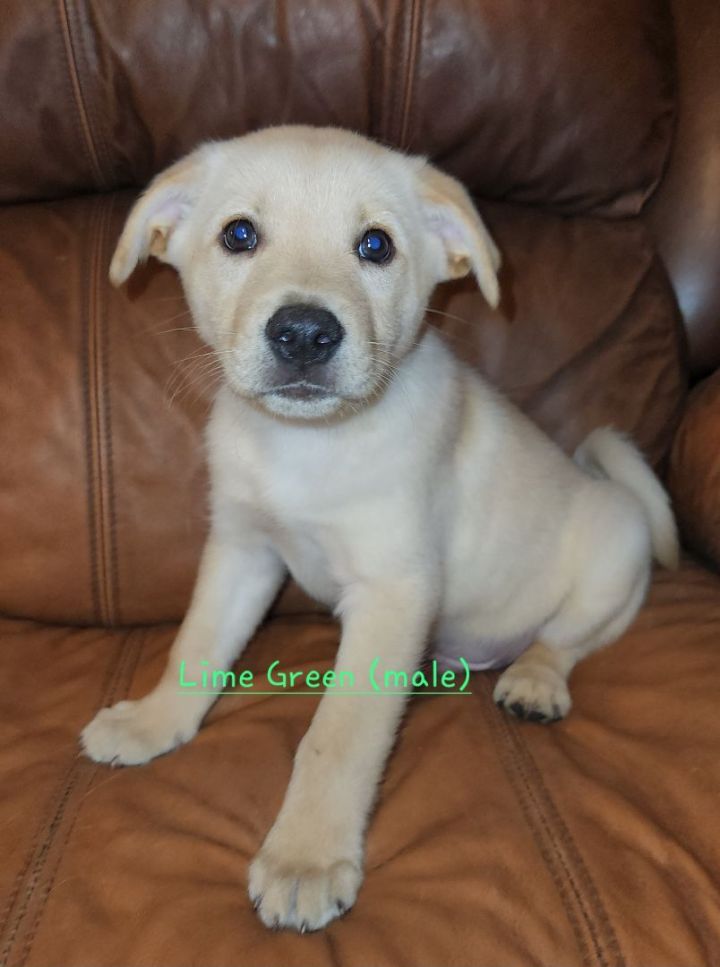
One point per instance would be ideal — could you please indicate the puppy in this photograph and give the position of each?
(349, 447)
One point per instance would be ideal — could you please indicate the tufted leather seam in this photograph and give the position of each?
(411, 61)
(110, 503)
(125, 671)
(602, 928)
(400, 36)
(25, 867)
(378, 32)
(550, 832)
(537, 827)
(65, 77)
(102, 505)
(80, 107)
(32, 869)
(105, 502)
(96, 129)
(67, 785)
(87, 388)
(561, 848)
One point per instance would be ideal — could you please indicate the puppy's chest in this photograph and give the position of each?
(305, 508)
(316, 551)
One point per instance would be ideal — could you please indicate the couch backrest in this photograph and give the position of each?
(568, 104)
(558, 115)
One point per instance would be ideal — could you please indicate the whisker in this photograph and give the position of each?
(179, 315)
(165, 332)
(449, 315)
(200, 382)
(195, 365)
(453, 338)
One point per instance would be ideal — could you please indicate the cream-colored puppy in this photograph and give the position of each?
(349, 447)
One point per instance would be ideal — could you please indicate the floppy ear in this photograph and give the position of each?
(156, 214)
(452, 217)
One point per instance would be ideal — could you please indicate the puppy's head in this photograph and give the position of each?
(307, 256)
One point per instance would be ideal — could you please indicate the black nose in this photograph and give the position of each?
(303, 335)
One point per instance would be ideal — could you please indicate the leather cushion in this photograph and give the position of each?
(593, 841)
(103, 494)
(568, 104)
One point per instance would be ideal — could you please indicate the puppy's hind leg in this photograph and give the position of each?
(609, 558)
(535, 686)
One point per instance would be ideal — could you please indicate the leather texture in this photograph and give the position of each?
(121, 90)
(694, 477)
(685, 211)
(593, 842)
(115, 386)
(590, 842)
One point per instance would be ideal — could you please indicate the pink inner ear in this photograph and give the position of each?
(169, 210)
(448, 228)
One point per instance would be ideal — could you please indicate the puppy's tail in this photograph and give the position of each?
(615, 457)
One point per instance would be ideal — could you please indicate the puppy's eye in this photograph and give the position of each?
(240, 236)
(375, 246)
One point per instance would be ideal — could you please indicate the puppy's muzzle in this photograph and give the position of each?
(303, 336)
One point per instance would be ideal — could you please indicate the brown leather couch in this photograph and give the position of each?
(590, 131)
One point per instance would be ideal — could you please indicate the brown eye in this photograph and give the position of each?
(240, 236)
(375, 246)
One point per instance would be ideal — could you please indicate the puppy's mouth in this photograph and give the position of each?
(301, 389)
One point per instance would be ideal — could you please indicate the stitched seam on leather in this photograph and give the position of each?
(377, 74)
(411, 61)
(71, 779)
(111, 523)
(87, 389)
(96, 128)
(538, 829)
(22, 873)
(65, 78)
(56, 811)
(555, 843)
(80, 107)
(601, 916)
(101, 474)
(569, 855)
(93, 562)
(125, 671)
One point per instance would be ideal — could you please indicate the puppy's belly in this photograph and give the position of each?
(318, 585)
(481, 653)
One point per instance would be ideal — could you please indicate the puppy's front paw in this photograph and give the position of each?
(536, 694)
(130, 733)
(289, 892)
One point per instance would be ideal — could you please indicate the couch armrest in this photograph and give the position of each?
(694, 479)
